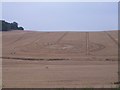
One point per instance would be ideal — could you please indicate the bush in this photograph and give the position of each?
(20, 28)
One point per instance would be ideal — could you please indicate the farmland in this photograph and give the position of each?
(59, 59)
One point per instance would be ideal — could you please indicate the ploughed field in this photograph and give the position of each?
(59, 59)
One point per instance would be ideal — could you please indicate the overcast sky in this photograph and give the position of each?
(68, 16)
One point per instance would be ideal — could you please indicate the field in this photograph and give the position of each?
(59, 59)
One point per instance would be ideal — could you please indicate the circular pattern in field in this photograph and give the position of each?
(66, 46)
(63, 48)
(95, 47)
(60, 46)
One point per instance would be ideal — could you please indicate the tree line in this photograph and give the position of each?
(5, 26)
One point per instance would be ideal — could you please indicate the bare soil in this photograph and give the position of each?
(59, 59)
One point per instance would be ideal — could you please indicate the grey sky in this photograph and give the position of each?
(62, 15)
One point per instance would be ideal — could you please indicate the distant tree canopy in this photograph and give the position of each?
(5, 26)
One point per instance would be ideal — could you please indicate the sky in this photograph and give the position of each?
(60, 0)
(62, 16)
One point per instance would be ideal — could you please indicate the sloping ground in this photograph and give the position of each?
(60, 59)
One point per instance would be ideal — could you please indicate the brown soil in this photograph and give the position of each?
(59, 59)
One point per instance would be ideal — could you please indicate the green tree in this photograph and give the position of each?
(5, 26)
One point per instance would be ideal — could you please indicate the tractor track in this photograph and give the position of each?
(20, 38)
(87, 43)
(17, 47)
(115, 41)
(61, 37)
